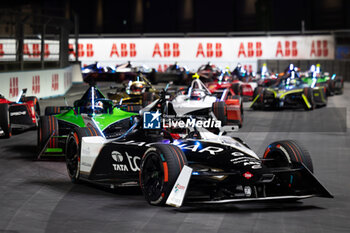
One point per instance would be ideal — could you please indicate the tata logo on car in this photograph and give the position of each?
(118, 157)
(151, 120)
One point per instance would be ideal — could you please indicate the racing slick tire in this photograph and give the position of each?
(236, 88)
(220, 111)
(338, 85)
(73, 149)
(285, 154)
(51, 110)
(259, 103)
(309, 94)
(160, 167)
(48, 125)
(330, 85)
(5, 123)
(133, 108)
(147, 98)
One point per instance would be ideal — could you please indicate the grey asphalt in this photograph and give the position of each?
(37, 196)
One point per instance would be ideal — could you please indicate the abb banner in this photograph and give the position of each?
(39, 83)
(193, 52)
(31, 49)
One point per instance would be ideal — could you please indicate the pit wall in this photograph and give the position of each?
(39, 83)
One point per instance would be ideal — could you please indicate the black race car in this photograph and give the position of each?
(201, 168)
(21, 114)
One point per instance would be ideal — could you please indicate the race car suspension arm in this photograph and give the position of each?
(46, 144)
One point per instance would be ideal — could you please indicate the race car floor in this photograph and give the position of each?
(37, 196)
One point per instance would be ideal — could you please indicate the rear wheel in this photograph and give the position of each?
(339, 85)
(51, 110)
(5, 123)
(160, 167)
(220, 111)
(236, 88)
(286, 153)
(259, 101)
(48, 125)
(133, 108)
(330, 89)
(73, 148)
(147, 98)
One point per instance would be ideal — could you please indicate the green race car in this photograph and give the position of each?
(93, 114)
(314, 77)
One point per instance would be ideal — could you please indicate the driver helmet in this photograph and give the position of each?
(136, 88)
(98, 107)
(99, 104)
(197, 94)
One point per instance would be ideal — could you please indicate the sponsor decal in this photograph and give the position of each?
(191, 123)
(246, 89)
(179, 187)
(120, 167)
(132, 162)
(197, 147)
(86, 164)
(247, 175)
(21, 113)
(118, 157)
(236, 153)
(151, 120)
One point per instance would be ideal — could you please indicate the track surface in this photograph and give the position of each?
(39, 197)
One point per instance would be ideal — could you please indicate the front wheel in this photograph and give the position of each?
(160, 167)
(5, 124)
(73, 149)
(285, 154)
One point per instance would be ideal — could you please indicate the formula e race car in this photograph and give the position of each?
(202, 168)
(289, 92)
(93, 110)
(136, 92)
(264, 77)
(174, 73)
(124, 72)
(208, 72)
(24, 113)
(240, 86)
(314, 77)
(223, 105)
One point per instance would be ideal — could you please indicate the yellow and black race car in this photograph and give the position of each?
(289, 92)
(136, 92)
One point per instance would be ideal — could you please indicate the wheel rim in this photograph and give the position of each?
(152, 176)
(72, 158)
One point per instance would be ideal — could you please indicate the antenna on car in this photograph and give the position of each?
(168, 85)
(65, 101)
(93, 99)
(23, 92)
